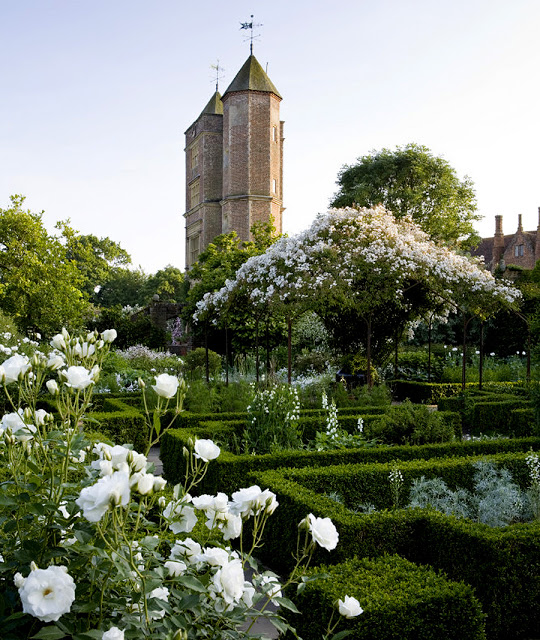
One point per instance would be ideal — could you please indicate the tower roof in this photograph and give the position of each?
(214, 106)
(252, 77)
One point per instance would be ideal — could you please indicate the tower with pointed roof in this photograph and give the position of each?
(234, 161)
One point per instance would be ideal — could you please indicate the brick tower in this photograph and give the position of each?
(234, 161)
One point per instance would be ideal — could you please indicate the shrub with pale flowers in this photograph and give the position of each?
(95, 546)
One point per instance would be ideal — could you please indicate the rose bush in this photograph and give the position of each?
(96, 546)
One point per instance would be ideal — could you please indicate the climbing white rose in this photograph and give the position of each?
(349, 607)
(114, 633)
(109, 335)
(14, 367)
(109, 490)
(323, 532)
(46, 594)
(78, 378)
(206, 450)
(166, 385)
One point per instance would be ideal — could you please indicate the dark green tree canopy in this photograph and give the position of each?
(410, 180)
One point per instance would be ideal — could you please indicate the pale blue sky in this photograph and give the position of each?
(96, 95)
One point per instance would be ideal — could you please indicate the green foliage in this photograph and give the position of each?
(195, 364)
(410, 424)
(123, 287)
(401, 601)
(168, 283)
(135, 330)
(95, 258)
(40, 288)
(410, 181)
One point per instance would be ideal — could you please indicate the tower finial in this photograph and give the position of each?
(250, 25)
(219, 70)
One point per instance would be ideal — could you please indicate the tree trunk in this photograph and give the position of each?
(267, 348)
(289, 349)
(396, 355)
(257, 350)
(464, 354)
(368, 373)
(207, 366)
(226, 356)
(429, 351)
(528, 353)
(481, 363)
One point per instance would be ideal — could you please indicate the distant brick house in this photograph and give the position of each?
(234, 161)
(521, 248)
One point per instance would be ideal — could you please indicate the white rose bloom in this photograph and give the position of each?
(58, 341)
(232, 527)
(244, 501)
(109, 335)
(206, 450)
(175, 567)
(145, 484)
(47, 593)
(323, 532)
(114, 633)
(166, 385)
(159, 483)
(267, 502)
(15, 423)
(2, 374)
(52, 387)
(137, 461)
(82, 350)
(160, 593)
(55, 361)
(349, 607)
(15, 366)
(187, 549)
(229, 581)
(247, 596)
(110, 490)
(41, 416)
(78, 378)
(271, 587)
(214, 556)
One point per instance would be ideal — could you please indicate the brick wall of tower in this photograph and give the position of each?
(252, 161)
(204, 183)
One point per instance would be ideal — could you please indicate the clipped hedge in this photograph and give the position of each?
(401, 601)
(126, 426)
(502, 565)
(433, 392)
(230, 472)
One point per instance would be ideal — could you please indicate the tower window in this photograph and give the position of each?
(519, 250)
(194, 157)
(274, 134)
(194, 194)
(274, 185)
(193, 249)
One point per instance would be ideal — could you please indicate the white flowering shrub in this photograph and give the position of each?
(94, 545)
(272, 422)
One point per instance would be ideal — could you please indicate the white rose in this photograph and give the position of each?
(214, 556)
(58, 342)
(52, 387)
(145, 484)
(244, 501)
(229, 581)
(159, 483)
(160, 593)
(77, 378)
(114, 633)
(110, 490)
(175, 567)
(349, 607)
(166, 385)
(181, 517)
(232, 527)
(41, 417)
(83, 350)
(206, 450)
(109, 335)
(187, 549)
(267, 502)
(47, 593)
(271, 587)
(14, 367)
(55, 361)
(323, 532)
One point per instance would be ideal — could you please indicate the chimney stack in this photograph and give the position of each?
(498, 243)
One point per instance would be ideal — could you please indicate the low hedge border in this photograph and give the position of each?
(502, 565)
(229, 472)
(432, 392)
(126, 426)
(401, 601)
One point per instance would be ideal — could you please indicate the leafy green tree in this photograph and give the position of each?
(168, 283)
(40, 287)
(124, 287)
(95, 258)
(411, 181)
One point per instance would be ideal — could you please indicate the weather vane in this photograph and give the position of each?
(250, 25)
(219, 72)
